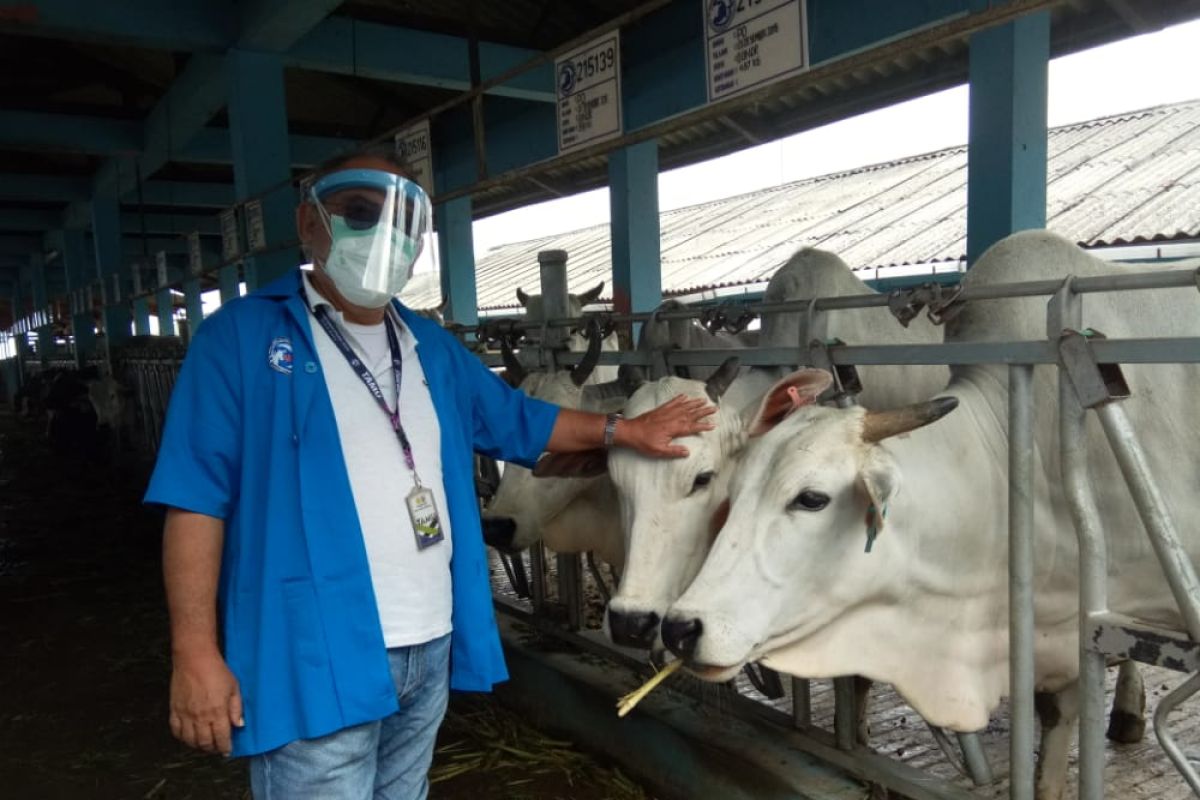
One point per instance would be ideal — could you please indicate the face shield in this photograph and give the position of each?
(378, 223)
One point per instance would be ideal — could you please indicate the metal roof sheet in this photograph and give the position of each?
(1128, 178)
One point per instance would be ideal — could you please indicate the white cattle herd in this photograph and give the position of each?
(872, 540)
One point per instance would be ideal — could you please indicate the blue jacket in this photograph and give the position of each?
(251, 438)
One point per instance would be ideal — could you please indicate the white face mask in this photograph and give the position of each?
(367, 269)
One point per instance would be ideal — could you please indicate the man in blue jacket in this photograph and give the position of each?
(326, 576)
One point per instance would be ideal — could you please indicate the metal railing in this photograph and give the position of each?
(1063, 315)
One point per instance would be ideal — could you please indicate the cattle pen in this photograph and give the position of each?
(152, 159)
(816, 718)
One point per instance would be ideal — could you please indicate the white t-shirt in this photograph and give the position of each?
(412, 586)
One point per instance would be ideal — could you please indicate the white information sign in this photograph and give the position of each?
(256, 234)
(230, 247)
(589, 93)
(163, 274)
(195, 254)
(751, 43)
(415, 146)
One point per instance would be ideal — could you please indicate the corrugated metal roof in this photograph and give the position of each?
(1123, 179)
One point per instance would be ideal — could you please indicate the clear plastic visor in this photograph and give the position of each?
(376, 219)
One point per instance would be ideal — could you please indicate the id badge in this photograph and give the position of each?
(422, 510)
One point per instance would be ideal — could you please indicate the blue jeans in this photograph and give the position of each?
(384, 760)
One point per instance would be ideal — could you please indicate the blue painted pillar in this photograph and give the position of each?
(37, 290)
(110, 261)
(262, 158)
(228, 280)
(77, 266)
(456, 247)
(633, 197)
(166, 312)
(194, 305)
(1006, 172)
(141, 316)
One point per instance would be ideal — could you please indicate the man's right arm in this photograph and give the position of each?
(205, 699)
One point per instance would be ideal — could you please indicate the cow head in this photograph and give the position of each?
(811, 490)
(521, 505)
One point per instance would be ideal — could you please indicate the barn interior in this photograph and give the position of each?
(151, 154)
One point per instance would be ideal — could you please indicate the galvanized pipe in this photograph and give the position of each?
(1137, 281)
(1093, 585)
(801, 703)
(845, 713)
(1022, 742)
(1165, 706)
(1178, 567)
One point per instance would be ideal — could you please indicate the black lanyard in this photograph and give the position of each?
(321, 312)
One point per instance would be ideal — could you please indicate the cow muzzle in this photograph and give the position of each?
(499, 532)
(633, 629)
(682, 636)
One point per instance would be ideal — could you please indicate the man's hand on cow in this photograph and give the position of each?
(205, 702)
(654, 432)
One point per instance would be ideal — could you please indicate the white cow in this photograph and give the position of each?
(668, 506)
(535, 309)
(570, 516)
(790, 580)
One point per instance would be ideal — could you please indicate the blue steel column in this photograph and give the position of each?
(75, 261)
(261, 157)
(456, 247)
(228, 280)
(194, 305)
(37, 286)
(633, 196)
(141, 316)
(1006, 174)
(106, 235)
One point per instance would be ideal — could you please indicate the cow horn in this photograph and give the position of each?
(718, 383)
(583, 370)
(879, 425)
(516, 370)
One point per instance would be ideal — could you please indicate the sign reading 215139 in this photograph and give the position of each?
(751, 43)
(589, 93)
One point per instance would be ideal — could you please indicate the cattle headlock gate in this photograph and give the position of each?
(1089, 379)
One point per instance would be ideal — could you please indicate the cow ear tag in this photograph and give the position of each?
(875, 520)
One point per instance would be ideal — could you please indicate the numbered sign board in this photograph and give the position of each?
(415, 146)
(230, 246)
(589, 93)
(195, 254)
(256, 234)
(751, 43)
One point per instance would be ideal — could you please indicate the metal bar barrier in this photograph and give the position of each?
(1022, 738)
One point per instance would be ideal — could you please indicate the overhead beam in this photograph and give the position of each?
(25, 130)
(347, 46)
(212, 146)
(272, 26)
(187, 25)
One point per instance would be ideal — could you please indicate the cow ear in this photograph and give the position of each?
(879, 480)
(801, 388)
(585, 464)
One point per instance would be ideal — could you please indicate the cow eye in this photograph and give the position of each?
(703, 480)
(809, 500)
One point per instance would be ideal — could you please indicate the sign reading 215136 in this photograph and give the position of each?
(751, 43)
(589, 93)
